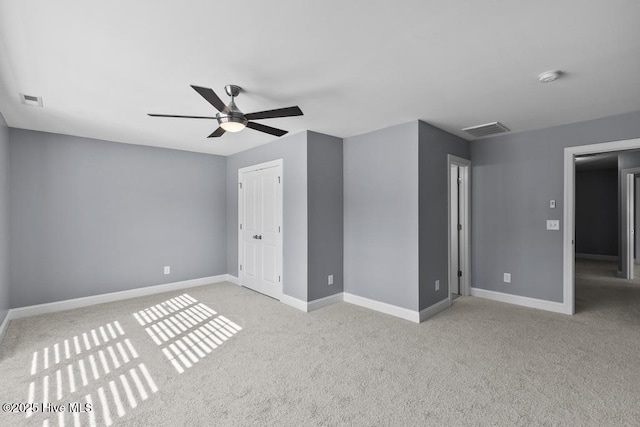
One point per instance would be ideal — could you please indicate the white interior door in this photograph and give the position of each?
(260, 218)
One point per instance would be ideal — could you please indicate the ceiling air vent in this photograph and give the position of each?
(34, 101)
(486, 129)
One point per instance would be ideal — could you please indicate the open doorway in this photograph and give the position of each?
(598, 275)
(597, 211)
(605, 199)
(459, 181)
(626, 244)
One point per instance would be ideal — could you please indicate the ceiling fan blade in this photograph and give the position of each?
(218, 132)
(212, 98)
(180, 117)
(272, 114)
(267, 129)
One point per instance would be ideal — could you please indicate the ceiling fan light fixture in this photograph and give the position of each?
(232, 126)
(232, 122)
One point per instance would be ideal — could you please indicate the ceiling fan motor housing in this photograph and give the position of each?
(232, 117)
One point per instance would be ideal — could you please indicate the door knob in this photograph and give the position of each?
(260, 237)
(255, 236)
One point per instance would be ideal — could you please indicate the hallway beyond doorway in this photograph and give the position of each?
(599, 289)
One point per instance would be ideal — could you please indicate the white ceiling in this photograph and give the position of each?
(352, 66)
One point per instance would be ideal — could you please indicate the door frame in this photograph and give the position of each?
(636, 187)
(568, 292)
(465, 221)
(265, 165)
(627, 178)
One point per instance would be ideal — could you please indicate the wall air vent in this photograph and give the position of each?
(34, 101)
(486, 129)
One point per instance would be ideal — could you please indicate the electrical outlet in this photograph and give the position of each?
(330, 279)
(437, 285)
(507, 277)
(167, 269)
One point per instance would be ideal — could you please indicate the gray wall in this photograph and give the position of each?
(434, 146)
(597, 212)
(381, 215)
(628, 159)
(4, 222)
(514, 177)
(325, 207)
(293, 150)
(90, 217)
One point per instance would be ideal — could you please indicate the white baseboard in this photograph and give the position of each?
(556, 307)
(311, 305)
(393, 310)
(434, 309)
(233, 279)
(34, 310)
(325, 302)
(294, 302)
(597, 257)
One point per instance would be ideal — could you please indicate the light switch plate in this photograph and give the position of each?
(552, 204)
(507, 278)
(553, 224)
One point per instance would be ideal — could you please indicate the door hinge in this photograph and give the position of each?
(278, 180)
(279, 229)
(459, 227)
(278, 278)
(240, 267)
(240, 184)
(240, 226)
(459, 273)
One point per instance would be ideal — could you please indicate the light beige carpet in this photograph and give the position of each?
(478, 363)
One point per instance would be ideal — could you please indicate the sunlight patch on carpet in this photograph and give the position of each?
(92, 378)
(187, 329)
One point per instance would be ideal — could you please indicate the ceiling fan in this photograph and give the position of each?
(231, 119)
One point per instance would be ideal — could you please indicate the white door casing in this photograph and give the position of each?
(636, 240)
(631, 220)
(260, 228)
(462, 238)
(627, 179)
(454, 237)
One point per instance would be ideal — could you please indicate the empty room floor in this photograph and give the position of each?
(223, 355)
(600, 292)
